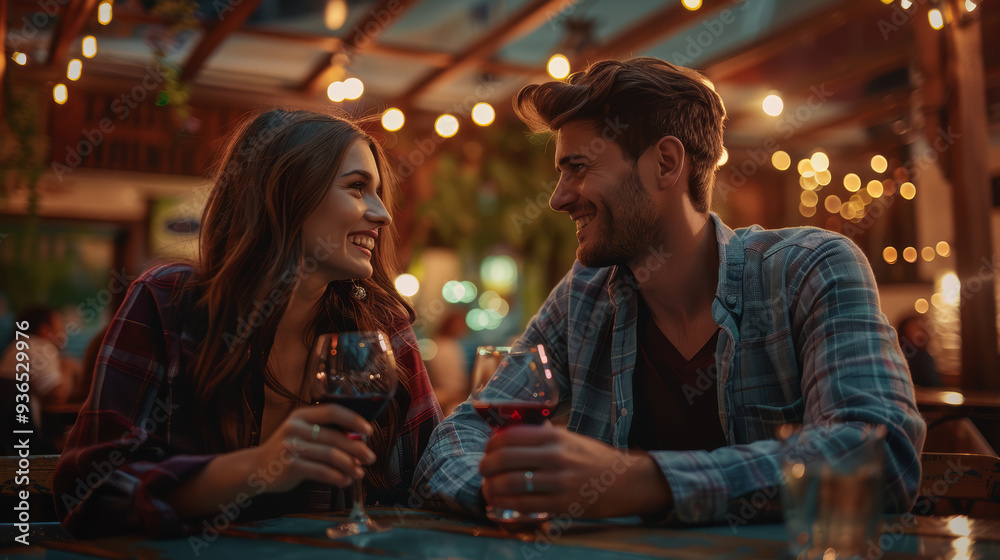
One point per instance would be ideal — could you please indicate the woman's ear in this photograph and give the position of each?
(670, 161)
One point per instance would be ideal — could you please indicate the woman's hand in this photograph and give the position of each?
(304, 447)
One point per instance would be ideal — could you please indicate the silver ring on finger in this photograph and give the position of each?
(529, 482)
(315, 432)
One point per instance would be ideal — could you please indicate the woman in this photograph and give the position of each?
(198, 401)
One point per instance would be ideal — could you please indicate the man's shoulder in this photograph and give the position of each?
(768, 242)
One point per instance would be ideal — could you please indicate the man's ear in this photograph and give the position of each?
(670, 161)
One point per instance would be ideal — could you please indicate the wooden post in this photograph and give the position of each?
(976, 261)
(3, 54)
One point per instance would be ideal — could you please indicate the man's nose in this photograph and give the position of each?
(564, 195)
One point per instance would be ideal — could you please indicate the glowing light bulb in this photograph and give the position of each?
(74, 69)
(89, 46)
(393, 119)
(60, 94)
(773, 105)
(483, 114)
(104, 13)
(558, 66)
(446, 126)
(935, 18)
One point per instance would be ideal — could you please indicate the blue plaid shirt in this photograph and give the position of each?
(802, 340)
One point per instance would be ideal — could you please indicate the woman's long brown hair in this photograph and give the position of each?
(275, 171)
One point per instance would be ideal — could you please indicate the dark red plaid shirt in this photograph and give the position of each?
(142, 432)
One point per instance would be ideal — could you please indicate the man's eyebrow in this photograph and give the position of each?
(569, 158)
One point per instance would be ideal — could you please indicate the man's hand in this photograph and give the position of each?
(569, 473)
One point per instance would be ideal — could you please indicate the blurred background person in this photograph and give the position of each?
(50, 377)
(914, 338)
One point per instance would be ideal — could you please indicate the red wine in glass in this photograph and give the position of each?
(522, 390)
(356, 370)
(501, 414)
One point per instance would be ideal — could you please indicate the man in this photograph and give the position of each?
(680, 345)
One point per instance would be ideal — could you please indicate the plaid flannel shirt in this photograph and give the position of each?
(141, 433)
(802, 340)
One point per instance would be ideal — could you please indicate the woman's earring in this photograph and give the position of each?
(358, 292)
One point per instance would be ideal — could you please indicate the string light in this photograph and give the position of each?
(393, 119)
(692, 4)
(353, 88)
(558, 66)
(74, 69)
(60, 94)
(483, 114)
(935, 18)
(89, 46)
(446, 126)
(780, 160)
(890, 255)
(20, 58)
(773, 105)
(104, 13)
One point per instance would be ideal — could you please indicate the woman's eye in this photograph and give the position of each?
(358, 185)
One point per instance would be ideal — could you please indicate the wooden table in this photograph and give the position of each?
(951, 402)
(422, 534)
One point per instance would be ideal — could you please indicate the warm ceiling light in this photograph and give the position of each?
(832, 204)
(905, 4)
(335, 14)
(89, 46)
(875, 188)
(393, 119)
(819, 161)
(692, 4)
(20, 58)
(353, 88)
(970, 6)
(887, 2)
(910, 254)
(920, 306)
(724, 157)
(104, 13)
(74, 69)
(446, 126)
(907, 190)
(937, 20)
(780, 160)
(60, 94)
(852, 182)
(927, 253)
(773, 105)
(336, 91)
(483, 114)
(809, 198)
(558, 66)
(943, 248)
(879, 164)
(890, 255)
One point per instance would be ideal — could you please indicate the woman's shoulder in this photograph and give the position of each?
(167, 275)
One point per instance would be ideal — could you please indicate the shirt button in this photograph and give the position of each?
(731, 300)
(624, 412)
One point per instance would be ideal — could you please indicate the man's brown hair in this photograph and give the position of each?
(651, 99)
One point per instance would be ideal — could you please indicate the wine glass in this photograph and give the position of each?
(532, 401)
(356, 370)
(486, 363)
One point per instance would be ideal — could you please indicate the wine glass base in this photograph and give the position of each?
(510, 517)
(355, 528)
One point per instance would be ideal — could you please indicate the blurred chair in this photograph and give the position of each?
(44, 524)
(959, 483)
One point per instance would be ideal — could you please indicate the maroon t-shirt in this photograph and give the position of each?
(675, 401)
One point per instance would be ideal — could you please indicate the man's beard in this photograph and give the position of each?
(625, 235)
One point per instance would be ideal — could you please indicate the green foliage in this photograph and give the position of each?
(500, 204)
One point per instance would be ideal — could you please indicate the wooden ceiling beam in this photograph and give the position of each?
(360, 38)
(648, 30)
(881, 108)
(69, 25)
(809, 26)
(212, 38)
(525, 20)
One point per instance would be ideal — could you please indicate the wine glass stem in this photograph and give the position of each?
(358, 513)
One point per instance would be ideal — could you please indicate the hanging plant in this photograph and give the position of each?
(164, 39)
(23, 145)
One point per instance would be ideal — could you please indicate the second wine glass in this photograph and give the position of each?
(356, 370)
(532, 401)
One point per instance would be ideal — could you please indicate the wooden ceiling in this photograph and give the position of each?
(425, 56)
